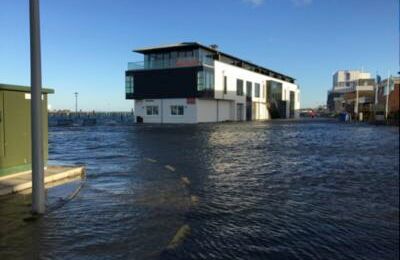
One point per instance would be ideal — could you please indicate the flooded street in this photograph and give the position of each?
(261, 190)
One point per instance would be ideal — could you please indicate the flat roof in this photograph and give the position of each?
(184, 45)
(23, 88)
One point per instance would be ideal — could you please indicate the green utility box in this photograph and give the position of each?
(15, 128)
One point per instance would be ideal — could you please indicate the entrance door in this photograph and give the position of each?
(239, 112)
(249, 105)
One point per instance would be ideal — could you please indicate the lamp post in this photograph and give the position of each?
(38, 191)
(76, 103)
(387, 96)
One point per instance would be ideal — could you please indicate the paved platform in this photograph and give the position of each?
(23, 181)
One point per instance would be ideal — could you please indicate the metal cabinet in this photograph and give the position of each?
(15, 128)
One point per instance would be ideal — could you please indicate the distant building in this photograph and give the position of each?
(345, 86)
(388, 106)
(192, 83)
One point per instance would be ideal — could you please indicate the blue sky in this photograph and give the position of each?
(86, 44)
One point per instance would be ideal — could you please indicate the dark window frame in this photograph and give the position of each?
(177, 110)
(239, 87)
(225, 79)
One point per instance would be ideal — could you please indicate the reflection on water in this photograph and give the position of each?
(282, 189)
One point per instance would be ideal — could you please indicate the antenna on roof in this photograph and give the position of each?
(214, 46)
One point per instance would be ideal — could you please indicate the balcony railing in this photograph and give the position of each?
(139, 65)
(164, 64)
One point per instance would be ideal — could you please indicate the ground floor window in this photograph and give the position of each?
(177, 110)
(152, 110)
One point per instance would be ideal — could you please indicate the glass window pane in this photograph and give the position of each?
(180, 110)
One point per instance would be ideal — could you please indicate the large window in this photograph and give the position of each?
(274, 91)
(206, 57)
(257, 90)
(263, 89)
(249, 86)
(239, 87)
(180, 58)
(177, 110)
(205, 80)
(347, 76)
(152, 110)
(129, 84)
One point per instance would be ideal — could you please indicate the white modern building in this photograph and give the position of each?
(347, 81)
(193, 83)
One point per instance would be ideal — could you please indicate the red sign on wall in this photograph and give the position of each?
(190, 101)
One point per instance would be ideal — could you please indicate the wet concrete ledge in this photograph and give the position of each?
(23, 181)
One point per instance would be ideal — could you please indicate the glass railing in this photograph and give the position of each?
(139, 65)
(164, 64)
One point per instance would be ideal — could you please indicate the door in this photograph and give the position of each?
(239, 112)
(249, 101)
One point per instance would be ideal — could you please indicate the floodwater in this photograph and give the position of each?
(266, 190)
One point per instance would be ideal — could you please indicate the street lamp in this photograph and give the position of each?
(76, 103)
(38, 191)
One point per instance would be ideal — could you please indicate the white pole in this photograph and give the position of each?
(76, 103)
(376, 92)
(356, 104)
(38, 191)
(387, 97)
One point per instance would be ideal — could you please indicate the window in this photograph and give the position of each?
(177, 110)
(152, 110)
(200, 80)
(249, 88)
(257, 90)
(239, 87)
(225, 85)
(129, 84)
(347, 76)
(205, 80)
(263, 90)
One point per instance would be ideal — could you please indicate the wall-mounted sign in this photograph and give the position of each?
(190, 101)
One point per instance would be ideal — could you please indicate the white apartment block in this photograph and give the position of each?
(192, 83)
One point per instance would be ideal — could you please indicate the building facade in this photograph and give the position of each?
(387, 104)
(345, 85)
(193, 83)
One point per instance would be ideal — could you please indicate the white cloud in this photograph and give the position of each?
(254, 2)
(301, 2)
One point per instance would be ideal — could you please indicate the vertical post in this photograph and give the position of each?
(76, 103)
(387, 97)
(356, 103)
(38, 191)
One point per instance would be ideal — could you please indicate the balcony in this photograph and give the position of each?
(164, 64)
